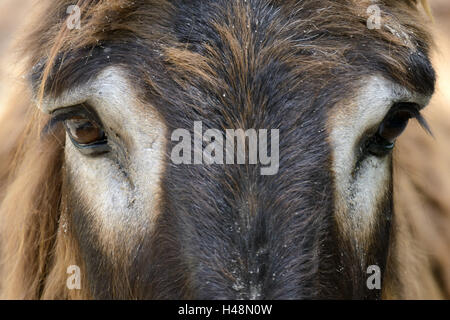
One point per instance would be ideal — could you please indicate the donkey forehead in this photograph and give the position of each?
(223, 45)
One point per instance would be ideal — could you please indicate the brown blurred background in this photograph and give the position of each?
(13, 16)
(441, 12)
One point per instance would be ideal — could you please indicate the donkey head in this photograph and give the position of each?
(331, 91)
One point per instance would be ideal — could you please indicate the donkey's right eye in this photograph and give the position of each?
(84, 132)
(83, 128)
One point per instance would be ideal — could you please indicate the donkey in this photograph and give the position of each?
(93, 187)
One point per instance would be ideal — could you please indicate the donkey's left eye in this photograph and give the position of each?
(393, 125)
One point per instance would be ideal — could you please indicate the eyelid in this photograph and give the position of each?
(65, 113)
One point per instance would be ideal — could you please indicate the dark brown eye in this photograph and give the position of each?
(84, 128)
(393, 126)
(84, 132)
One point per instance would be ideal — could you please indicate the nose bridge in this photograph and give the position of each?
(247, 248)
(251, 261)
(243, 235)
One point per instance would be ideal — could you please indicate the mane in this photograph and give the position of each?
(36, 246)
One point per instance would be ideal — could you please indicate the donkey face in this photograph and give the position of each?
(338, 93)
